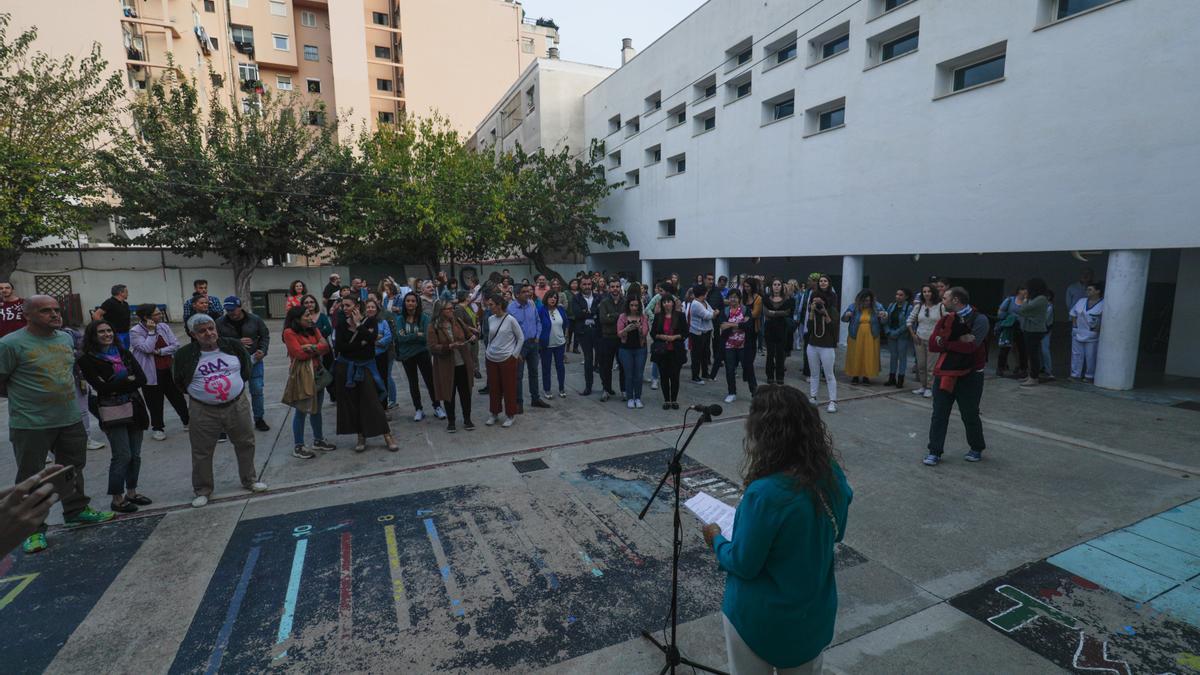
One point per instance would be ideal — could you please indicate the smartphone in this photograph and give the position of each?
(63, 481)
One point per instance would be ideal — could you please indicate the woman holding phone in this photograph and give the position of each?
(632, 329)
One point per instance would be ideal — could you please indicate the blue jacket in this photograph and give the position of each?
(385, 338)
(900, 331)
(544, 319)
(855, 315)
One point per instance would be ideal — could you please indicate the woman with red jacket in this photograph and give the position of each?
(305, 343)
(960, 342)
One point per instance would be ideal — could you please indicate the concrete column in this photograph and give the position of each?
(589, 263)
(720, 268)
(1182, 357)
(852, 276)
(1124, 293)
(648, 273)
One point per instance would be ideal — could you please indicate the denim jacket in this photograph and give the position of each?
(854, 315)
(898, 314)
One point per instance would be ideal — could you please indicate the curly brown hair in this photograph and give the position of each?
(785, 434)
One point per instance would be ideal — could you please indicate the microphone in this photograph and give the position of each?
(713, 410)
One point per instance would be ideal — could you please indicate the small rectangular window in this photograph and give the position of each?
(632, 126)
(710, 91)
(379, 18)
(530, 98)
(743, 90)
(705, 88)
(784, 109)
(386, 117)
(744, 57)
(248, 72)
(316, 118)
(666, 228)
(614, 159)
(889, 5)
(653, 154)
(308, 19)
(383, 52)
(614, 124)
(739, 55)
(283, 82)
(242, 35)
(654, 102)
(979, 73)
(677, 115)
(281, 42)
(677, 164)
(705, 121)
(778, 107)
(835, 46)
(383, 84)
(278, 8)
(311, 53)
(832, 118)
(314, 86)
(1072, 7)
(899, 46)
(633, 178)
(210, 5)
(786, 54)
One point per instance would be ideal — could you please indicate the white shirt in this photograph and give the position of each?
(557, 337)
(218, 378)
(504, 338)
(1085, 323)
(701, 318)
(923, 325)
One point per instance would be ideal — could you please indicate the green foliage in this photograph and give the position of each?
(248, 185)
(54, 113)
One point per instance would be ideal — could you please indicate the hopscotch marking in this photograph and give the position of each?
(489, 557)
(439, 553)
(23, 580)
(403, 621)
(613, 537)
(1028, 609)
(231, 614)
(510, 519)
(590, 566)
(1094, 661)
(293, 588)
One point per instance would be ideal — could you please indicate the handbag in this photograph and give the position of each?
(322, 378)
(113, 410)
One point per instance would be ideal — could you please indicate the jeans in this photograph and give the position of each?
(733, 357)
(155, 394)
(528, 363)
(821, 359)
(556, 354)
(1047, 367)
(634, 362)
(968, 390)
(898, 348)
(701, 346)
(1083, 358)
(314, 421)
(588, 342)
(126, 463)
(412, 365)
(387, 375)
(256, 391)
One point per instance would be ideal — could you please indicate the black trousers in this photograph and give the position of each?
(807, 371)
(701, 346)
(608, 354)
(165, 389)
(776, 355)
(587, 343)
(1018, 343)
(717, 356)
(423, 364)
(967, 392)
(462, 387)
(668, 374)
(1033, 352)
(749, 353)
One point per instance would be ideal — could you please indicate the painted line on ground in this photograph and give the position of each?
(346, 591)
(403, 621)
(489, 557)
(439, 553)
(290, 598)
(231, 614)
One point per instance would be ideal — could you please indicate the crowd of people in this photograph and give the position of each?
(343, 346)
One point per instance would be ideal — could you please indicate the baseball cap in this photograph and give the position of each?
(232, 302)
(815, 276)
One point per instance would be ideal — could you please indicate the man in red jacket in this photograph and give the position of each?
(12, 309)
(960, 339)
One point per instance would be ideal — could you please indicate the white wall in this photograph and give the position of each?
(1089, 143)
(1183, 357)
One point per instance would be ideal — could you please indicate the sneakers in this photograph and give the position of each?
(439, 412)
(468, 425)
(637, 403)
(928, 393)
(199, 501)
(419, 415)
(624, 397)
(931, 460)
(654, 384)
(261, 425)
(223, 438)
(450, 428)
(490, 420)
(731, 398)
(603, 396)
(919, 391)
(973, 456)
(96, 445)
(1029, 382)
(322, 444)
(812, 400)
(832, 407)
(35, 543)
(508, 422)
(547, 394)
(90, 516)
(630, 404)
(258, 487)
(562, 393)
(301, 452)
(159, 435)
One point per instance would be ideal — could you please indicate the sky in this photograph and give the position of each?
(591, 30)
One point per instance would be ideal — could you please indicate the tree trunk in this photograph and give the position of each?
(539, 261)
(8, 263)
(243, 273)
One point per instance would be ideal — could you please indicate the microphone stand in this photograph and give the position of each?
(671, 648)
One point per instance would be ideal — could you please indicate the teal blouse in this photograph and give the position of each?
(780, 593)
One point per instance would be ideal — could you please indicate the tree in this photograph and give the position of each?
(420, 195)
(249, 184)
(550, 202)
(54, 114)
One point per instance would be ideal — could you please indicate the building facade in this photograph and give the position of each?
(368, 61)
(993, 139)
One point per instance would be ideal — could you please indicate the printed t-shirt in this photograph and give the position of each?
(218, 378)
(41, 380)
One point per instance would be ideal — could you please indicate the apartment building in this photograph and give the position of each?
(886, 140)
(366, 60)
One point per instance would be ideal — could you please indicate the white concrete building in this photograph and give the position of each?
(990, 139)
(542, 109)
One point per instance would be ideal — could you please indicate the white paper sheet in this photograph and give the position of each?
(712, 510)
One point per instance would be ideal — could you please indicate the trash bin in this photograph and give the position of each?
(258, 303)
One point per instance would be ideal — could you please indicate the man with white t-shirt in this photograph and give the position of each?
(215, 372)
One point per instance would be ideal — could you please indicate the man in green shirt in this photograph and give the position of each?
(43, 417)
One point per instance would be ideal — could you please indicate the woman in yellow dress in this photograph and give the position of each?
(866, 317)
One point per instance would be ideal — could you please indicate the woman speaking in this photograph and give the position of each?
(780, 594)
